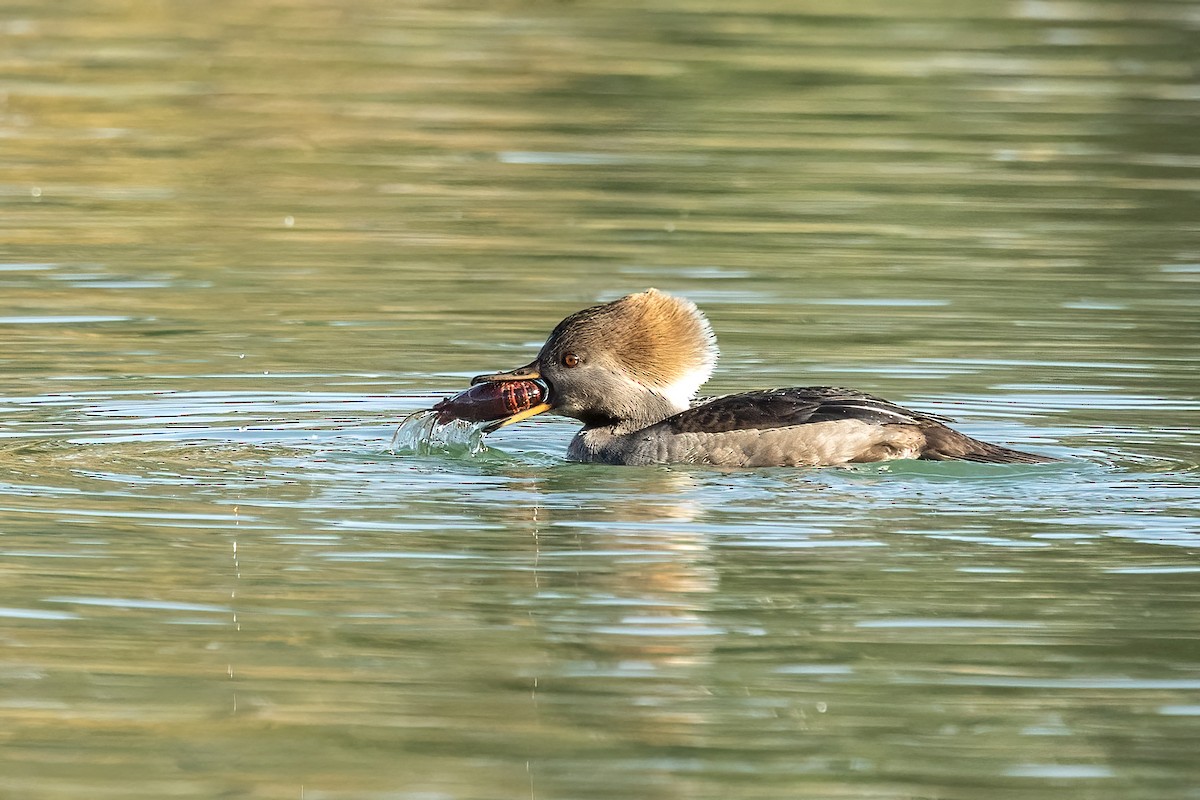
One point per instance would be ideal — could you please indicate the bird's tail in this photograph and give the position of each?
(946, 444)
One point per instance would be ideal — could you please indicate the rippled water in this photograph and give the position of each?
(240, 241)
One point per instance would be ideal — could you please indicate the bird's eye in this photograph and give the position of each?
(570, 360)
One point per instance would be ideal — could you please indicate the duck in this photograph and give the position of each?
(630, 371)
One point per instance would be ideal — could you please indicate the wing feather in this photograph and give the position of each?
(782, 408)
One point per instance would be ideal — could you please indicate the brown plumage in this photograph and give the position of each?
(658, 338)
(946, 444)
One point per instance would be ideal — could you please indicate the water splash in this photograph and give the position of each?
(421, 434)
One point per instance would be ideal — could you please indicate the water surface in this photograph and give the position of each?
(240, 241)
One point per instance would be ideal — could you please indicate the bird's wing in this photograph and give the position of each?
(781, 408)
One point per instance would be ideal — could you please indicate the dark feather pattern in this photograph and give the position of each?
(783, 408)
(798, 406)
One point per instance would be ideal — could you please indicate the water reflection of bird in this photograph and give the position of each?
(629, 370)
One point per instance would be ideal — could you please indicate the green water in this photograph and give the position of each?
(239, 241)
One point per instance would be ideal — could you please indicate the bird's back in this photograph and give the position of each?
(797, 426)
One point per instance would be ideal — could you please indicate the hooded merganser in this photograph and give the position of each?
(629, 371)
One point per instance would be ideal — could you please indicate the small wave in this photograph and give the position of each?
(421, 434)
